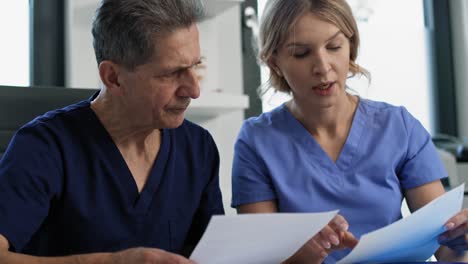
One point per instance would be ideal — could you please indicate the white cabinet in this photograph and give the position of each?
(221, 103)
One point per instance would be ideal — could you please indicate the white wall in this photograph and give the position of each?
(459, 21)
(14, 47)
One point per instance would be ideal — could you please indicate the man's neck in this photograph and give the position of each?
(124, 130)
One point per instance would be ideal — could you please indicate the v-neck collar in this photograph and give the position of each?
(349, 150)
(140, 202)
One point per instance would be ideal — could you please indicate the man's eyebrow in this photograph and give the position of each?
(303, 44)
(178, 68)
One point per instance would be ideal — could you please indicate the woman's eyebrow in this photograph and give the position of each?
(303, 44)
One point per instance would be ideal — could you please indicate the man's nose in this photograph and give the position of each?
(190, 86)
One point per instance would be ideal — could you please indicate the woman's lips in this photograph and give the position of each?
(325, 89)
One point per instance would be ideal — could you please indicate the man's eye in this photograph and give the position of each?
(199, 65)
(171, 74)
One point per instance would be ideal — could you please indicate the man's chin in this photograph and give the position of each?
(174, 122)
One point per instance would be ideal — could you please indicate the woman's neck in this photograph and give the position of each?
(328, 120)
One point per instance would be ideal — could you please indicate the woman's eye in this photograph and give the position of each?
(334, 48)
(301, 54)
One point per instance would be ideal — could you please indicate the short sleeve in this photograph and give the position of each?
(422, 163)
(251, 181)
(29, 180)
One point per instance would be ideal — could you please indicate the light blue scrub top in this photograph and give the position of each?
(387, 151)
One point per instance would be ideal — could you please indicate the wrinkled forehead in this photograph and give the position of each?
(175, 39)
(180, 46)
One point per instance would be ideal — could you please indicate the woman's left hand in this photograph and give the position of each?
(456, 236)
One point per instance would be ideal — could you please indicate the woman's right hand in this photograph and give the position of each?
(334, 236)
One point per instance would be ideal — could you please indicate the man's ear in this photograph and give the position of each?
(274, 66)
(109, 73)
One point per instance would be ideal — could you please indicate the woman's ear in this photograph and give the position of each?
(274, 66)
(109, 73)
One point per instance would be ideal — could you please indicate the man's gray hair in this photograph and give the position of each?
(124, 31)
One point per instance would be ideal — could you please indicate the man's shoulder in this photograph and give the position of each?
(54, 127)
(58, 117)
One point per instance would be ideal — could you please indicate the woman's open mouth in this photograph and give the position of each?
(324, 89)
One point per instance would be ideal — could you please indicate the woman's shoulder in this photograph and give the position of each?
(265, 123)
(387, 112)
(378, 106)
(382, 108)
(266, 119)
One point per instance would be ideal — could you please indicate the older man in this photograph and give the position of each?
(122, 177)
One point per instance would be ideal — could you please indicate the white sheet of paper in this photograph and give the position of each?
(257, 238)
(413, 238)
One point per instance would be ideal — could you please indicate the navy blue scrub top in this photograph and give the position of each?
(66, 189)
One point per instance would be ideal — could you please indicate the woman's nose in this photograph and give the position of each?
(321, 64)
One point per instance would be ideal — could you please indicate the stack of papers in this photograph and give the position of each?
(272, 238)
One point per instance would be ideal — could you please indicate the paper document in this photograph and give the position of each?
(413, 238)
(257, 238)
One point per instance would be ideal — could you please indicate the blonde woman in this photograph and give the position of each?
(326, 149)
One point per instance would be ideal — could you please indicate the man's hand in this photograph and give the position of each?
(148, 256)
(334, 236)
(133, 256)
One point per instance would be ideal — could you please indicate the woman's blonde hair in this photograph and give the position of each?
(279, 18)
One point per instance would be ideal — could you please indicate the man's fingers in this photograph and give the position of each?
(162, 256)
(180, 260)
